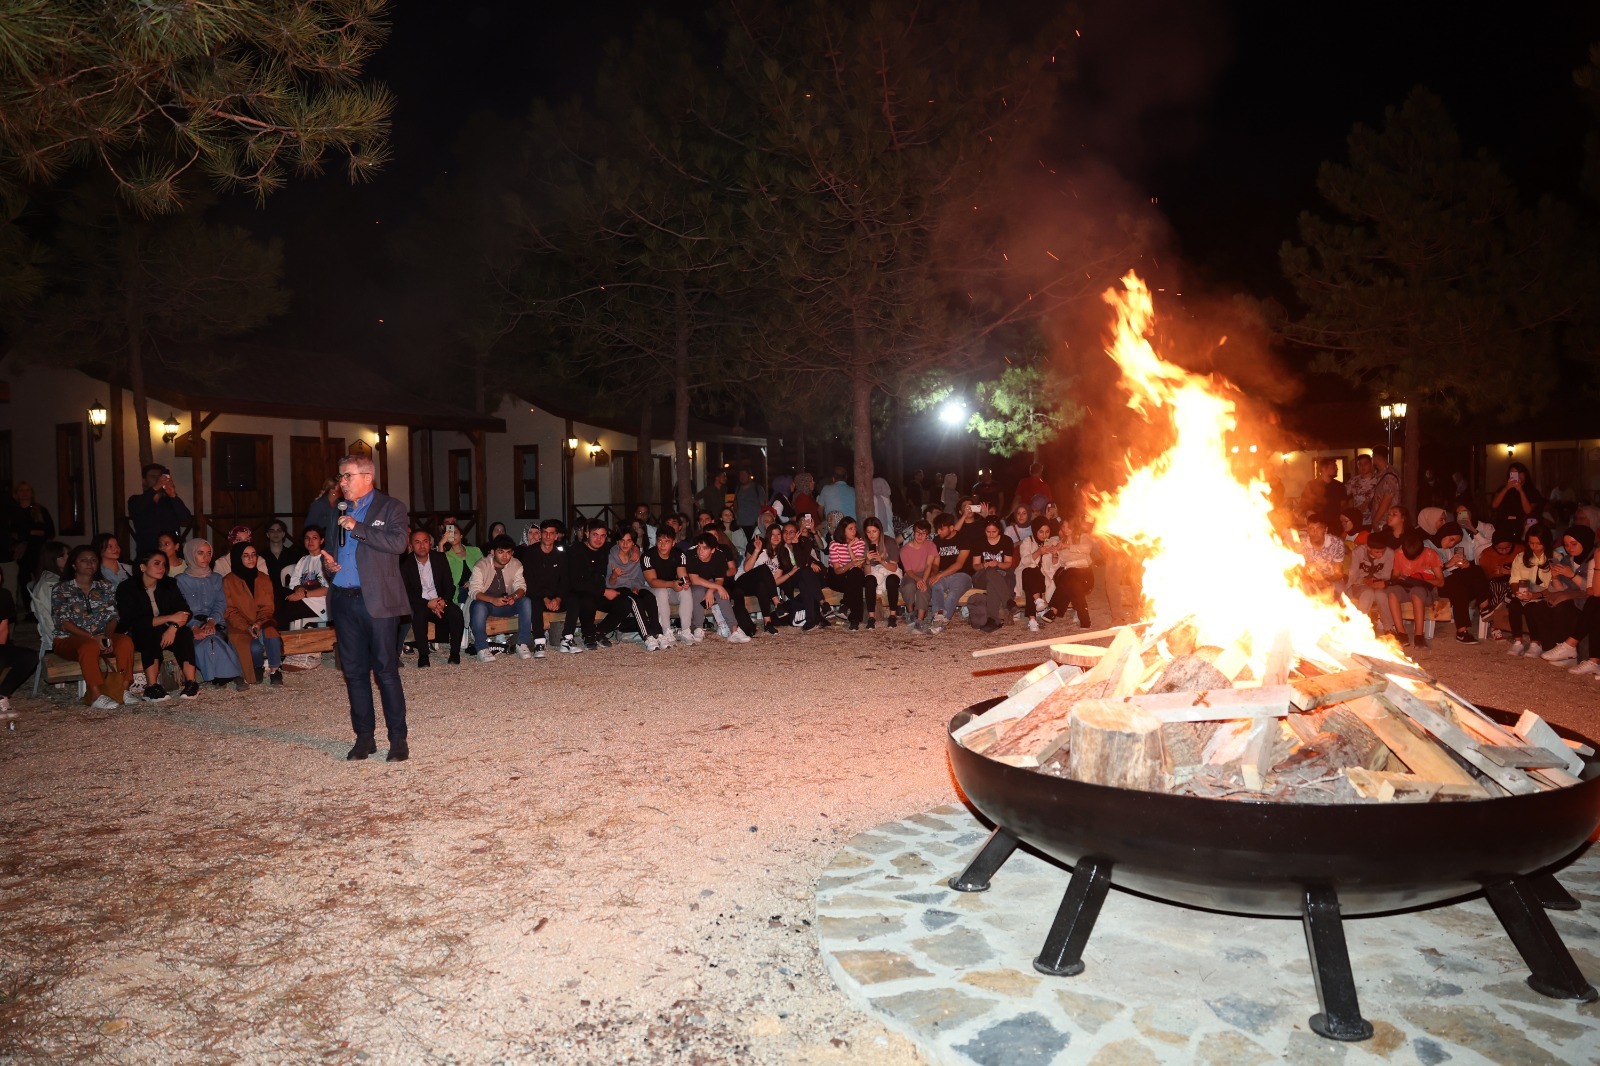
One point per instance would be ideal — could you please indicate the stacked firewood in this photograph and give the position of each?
(1319, 726)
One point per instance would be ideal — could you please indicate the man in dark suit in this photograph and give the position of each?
(366, 602)
(426, 574)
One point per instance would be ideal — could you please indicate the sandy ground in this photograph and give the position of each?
(607, 857)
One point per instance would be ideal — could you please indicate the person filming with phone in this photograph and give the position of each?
(1516, 503)
(156, 510)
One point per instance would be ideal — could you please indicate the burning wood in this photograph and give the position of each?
(1163, 716)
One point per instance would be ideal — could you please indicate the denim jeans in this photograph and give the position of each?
(368, 648)
(269, 649)
(947, 593)
(522, 611)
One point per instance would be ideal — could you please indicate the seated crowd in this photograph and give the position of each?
(1383, 559)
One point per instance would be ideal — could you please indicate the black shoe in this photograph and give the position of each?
(893, 621)
(398, 751)
(990, 626)
(1419, 641)
(275, 679)
(190, 690)
(872, 623)
(154, 693)
(455, 660)
(422, 664)
(1464, 636)
(364, 746)
(854, 626)
(604, 642)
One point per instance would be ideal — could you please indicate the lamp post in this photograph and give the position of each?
(1392, 414)
(98, 415)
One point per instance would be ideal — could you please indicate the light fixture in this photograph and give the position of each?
(169, 429)
(97, 419)
(1252, 449)
(1386, 412)
(1511, 449)
(953, 412)
(593, 448)
(1399, 410)
(572, 444)
(1235, 449)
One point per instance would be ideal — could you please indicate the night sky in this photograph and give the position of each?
(1222, 112)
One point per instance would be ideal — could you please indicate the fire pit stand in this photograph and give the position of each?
(1287, 859)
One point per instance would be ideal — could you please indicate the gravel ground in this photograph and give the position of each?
(598, 858)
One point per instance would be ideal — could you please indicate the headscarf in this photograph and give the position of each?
(240, 571)
(804, 483)
(191, 563)
(1585, 538)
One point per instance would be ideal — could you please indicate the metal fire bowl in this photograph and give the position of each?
(1258, 858)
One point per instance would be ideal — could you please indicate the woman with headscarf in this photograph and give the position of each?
(208, 605)
(805, 498)
(882, 505)
(248, 612)
(1556, 618)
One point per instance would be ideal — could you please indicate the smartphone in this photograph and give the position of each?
(972, 508)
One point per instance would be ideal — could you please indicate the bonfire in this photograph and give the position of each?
(1242, 682)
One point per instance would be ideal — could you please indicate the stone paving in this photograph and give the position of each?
(1164, 984)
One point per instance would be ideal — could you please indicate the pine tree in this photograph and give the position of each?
(244, 92)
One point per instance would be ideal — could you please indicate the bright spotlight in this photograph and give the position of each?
(953, 413)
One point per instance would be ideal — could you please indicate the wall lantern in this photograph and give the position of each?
(593, 448)
(572, 444)
(169, 429)
(97, 419)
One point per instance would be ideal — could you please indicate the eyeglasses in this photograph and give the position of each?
(354, 473)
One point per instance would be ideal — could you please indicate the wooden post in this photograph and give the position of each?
(480, 477)
(566, 474)
(119, 485)
(383, 460)
(411, 469)
(195, 463)
(427, 473)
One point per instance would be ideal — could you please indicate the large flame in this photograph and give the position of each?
(1210, 551)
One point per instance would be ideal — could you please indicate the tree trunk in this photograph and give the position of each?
(1411, 470)
(861, 440)
(680, 406)
(799, 449)
(643, 464)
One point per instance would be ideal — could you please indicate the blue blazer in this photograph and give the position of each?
(381, 540)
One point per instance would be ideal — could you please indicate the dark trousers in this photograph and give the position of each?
(1072, 590)
(19, 664)
(805, 592)
(450, 626)
(368, 648)
(639, 605)
(1464, 587)
(1588, 626)
(1551, 624)
(147, 642)
(581, 608)
(891, 593)
(852, 584)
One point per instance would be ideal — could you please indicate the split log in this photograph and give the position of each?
(1039, 734)
(1114, 744)
(1280, 657)
(1214, 706)
(1367, 749)
(1183, 746)
(1191, 673)
(981, 739)
(1227, 744)
(1233, 661)
(1182, 639)
(1032, 677)
(1305, 725)
(1084, 655)
(1265, 747)
(1523, 757)
(1555, 777)
(1411, 747)
(1535, 730)
(1021, 702)
(1336, 688)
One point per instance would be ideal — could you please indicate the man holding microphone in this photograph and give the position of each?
(366, 600)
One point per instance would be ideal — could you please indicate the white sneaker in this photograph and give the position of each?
(1535, 651)
(484, 656)
(1561, 653)
(685, 636)
(524, 652)
(1517, 647)
(722, 631)
(697, 636)
(798, 620)
(1039, 606)
(104, 703)
(538, 649)
(570, 646)
(938, 623)
(1588, 666)
(1033, 625)
(5, 708)
(130, 700)
(738, 636)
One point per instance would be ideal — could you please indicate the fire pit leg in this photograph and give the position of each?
(1555, 974)
(1062, 954)
(996, 850)
(1330, 966)
(1552, 896)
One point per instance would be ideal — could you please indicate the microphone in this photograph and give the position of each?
(344, 505)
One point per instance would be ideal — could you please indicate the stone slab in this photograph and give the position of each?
(1165, 984)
